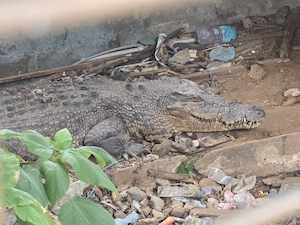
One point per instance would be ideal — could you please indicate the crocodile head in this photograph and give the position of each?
(196, 110)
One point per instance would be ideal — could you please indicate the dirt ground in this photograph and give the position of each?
(267, 93)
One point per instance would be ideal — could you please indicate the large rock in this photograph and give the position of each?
(138, 174)
(264, 157)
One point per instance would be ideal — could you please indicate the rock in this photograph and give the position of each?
(265, 157)
(199, 221)
(136, 194)
(245, 184)
(257, 72)
(178, 212)
(145, 202)
(208, 212)
(138, 175)
(162, 182)
(205, 182)
(291, 100)
(131, 218)
(218, 175)
(8, 218)
(292, 92)
(157, 214)
(146, 211)
(277, 181)
(178, 191)
(157, 203)
(196, 143)
(163, 148)
(289, 187)
(244, 200)
(119, 214)
(292, 96)
(75, 189)
(212, 140)
(190, 203)
(212, 203)
(148, 221)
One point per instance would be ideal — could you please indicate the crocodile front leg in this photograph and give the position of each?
(109, 134)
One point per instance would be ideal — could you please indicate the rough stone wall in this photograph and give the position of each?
(71, 44)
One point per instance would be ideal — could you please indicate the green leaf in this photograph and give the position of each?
(9, 172)
(57, 180)
(86, 170)
(21, 222)
(103, 158)
(79, 211)
(9, 169)
(30, 182)
(6, 134)
(27, 208)
(63, 139)
(37, 144)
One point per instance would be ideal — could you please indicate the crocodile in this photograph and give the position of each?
(111, 114)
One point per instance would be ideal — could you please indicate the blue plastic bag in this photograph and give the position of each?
(223, 54)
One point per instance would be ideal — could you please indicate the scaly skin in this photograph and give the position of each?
(104, 112)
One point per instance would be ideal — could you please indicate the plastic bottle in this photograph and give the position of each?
(214, 35)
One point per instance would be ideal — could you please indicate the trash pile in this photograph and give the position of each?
(198, 53)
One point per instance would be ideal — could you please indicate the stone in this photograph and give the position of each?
(290, 100)
(218, 175)
(8, 218)
(178, 212)
(214, 139)
(162, 182)
(131, 218)
(146, 211)
(75, 189)
(289, 187)
(138, 175)
(136, 194)
(205, 182)
(212, 203)
(292, 92)
(157, 214)
(245, 184)
(208, 212)
(199, 221)
(157, 203)
(257, 72)
(277, 181)
(178, 191)
(148, 221)
(265, 157)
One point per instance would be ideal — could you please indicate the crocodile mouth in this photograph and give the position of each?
(242, 124)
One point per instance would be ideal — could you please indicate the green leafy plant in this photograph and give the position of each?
(33, 189)
(186, 168)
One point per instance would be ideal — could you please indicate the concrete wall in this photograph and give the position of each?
(70, 45)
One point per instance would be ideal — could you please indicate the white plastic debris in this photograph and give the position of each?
(219, 176)
(132, 218)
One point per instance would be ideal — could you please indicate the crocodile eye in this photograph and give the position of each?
(260, 112)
